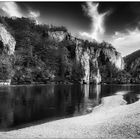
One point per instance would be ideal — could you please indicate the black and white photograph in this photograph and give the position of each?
(69, 69)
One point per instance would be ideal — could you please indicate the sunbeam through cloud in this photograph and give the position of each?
(97, 19)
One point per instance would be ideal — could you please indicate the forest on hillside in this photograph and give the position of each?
(38, 58)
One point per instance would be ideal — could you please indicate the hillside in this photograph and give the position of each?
(44, 53)
(132, 62)
(132, 57)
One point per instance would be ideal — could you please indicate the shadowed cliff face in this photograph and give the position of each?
(7, 39)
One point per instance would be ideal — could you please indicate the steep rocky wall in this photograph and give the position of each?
(7, 39)
(95, 76)
(119, 62)
(88, 61)
(8, 46)
(83, 57)
(88, 58)
(114, 57)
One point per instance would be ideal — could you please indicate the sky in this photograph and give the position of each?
(115, 22)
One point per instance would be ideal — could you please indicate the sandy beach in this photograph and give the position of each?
(112, 119)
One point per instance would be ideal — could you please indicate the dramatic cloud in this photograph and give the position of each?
(11, 9)
(127, 42)
(97, 25)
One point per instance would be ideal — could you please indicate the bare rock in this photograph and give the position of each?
(7, 39)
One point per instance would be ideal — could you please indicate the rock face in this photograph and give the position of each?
(7, 45)
(119, 62)
(89, 64)
(113, 56)
(7, 39)
(83, 57)
(89, 60)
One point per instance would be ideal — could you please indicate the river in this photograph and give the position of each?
(22, 106)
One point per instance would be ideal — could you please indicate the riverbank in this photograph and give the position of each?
(112, 119)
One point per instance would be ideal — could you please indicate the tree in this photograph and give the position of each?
(6, 68)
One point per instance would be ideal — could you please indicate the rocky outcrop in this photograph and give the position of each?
(89, 59)
(7, 45)
(119, 62)
(83, 57)
(88, 63)
(111, 55)
(57, 36)
(95, 76)
(7, 39)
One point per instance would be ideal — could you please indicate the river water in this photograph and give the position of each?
(30, 105)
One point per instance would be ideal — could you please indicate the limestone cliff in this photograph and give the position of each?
(83, 57)
(111, 55)
(7, 39)
(7, 48)
(90, 58)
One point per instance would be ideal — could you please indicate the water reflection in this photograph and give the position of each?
(26, 104)
(23, 104)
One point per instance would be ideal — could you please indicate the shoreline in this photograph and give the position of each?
(112, 119)
(13, 85)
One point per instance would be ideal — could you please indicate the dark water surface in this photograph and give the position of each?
(20, 105)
